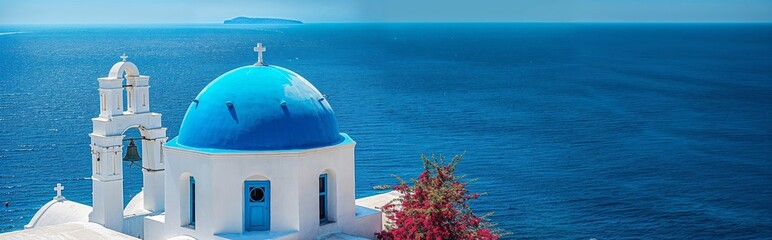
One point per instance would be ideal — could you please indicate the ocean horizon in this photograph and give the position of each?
(573, 130)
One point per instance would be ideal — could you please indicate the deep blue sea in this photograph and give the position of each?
(574, 131)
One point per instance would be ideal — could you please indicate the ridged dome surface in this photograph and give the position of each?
(259, 108)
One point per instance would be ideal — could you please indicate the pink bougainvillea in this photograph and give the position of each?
(435, 207)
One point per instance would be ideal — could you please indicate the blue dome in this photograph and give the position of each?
(259, 108)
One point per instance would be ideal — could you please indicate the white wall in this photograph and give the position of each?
(294, 178)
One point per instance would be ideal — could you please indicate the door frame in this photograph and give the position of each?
(267, 197)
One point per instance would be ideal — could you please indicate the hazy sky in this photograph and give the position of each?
(198, 11)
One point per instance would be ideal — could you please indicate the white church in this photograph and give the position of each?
(259, 156)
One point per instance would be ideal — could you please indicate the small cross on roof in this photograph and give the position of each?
(124, 57)
(259, 49)
(58, 190)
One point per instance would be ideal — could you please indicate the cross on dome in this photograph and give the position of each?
(124, 57)
(260, 49)
(58, 190)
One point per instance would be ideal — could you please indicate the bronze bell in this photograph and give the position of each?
(131, 152)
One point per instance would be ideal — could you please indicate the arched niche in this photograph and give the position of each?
(187, 202)
(257, 177)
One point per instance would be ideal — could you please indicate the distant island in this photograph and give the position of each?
(249, 20)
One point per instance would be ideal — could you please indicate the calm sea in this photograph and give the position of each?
(574, 131)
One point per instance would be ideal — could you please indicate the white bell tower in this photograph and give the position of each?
(107, 144)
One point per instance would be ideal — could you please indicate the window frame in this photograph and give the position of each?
(323, 181)
(192, 188)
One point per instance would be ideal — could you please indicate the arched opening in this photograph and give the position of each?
(124, 70)
(187, 200)
(132, 173)
(327, 197)
(126, 93)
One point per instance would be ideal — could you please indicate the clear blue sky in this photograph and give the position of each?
(198, 11)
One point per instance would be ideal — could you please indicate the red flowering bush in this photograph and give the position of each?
(435, 207)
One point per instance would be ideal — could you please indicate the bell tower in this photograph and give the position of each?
(107, 141)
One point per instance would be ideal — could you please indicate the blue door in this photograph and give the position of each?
(257, 205)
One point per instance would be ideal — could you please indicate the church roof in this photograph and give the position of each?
(258, 108)
(67, 231)
(57, 212)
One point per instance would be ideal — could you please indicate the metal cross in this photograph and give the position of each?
(124, 57)
(58, 190)
(260, 49)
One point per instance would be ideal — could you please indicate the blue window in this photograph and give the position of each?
(192, 201)
(323, 198)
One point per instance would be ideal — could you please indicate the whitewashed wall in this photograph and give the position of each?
(294, 177)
